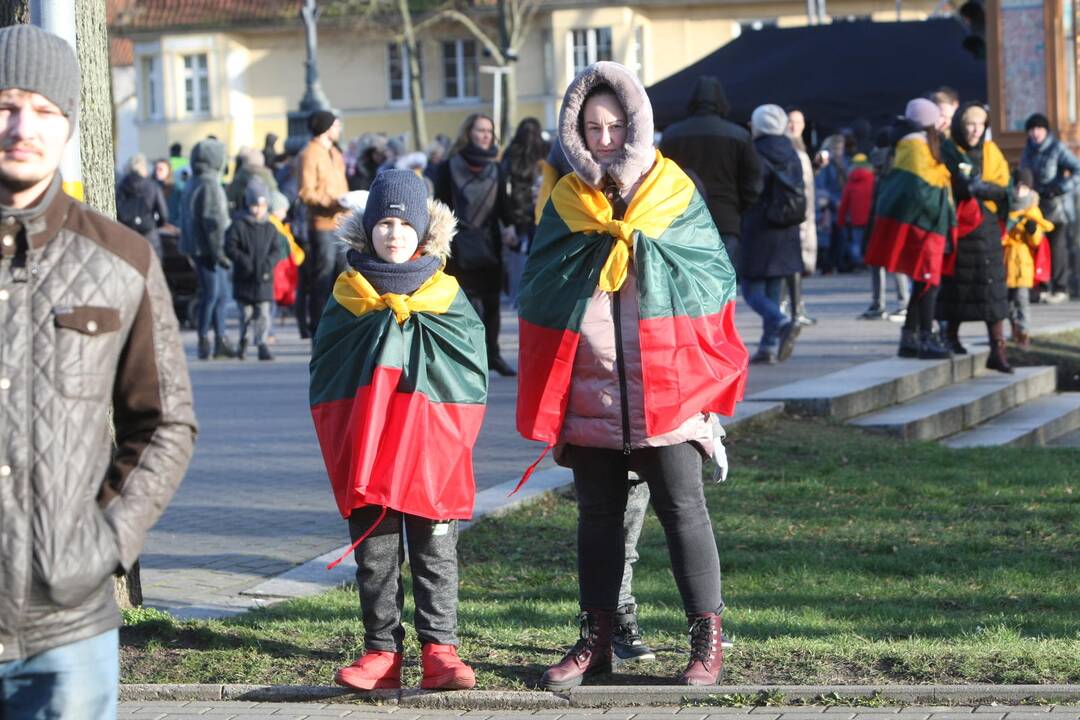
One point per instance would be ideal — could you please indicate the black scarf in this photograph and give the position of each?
(397, 278)
(478, 156)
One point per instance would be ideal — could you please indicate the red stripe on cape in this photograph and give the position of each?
(900, 247)
(690, 365)
(399, 450)
(544, 379)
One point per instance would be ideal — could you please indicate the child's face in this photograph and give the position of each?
(1022, 190)
(259, 211)
(394, 239)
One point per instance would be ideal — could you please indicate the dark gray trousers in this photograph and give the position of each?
(674, 477)
(432, 549)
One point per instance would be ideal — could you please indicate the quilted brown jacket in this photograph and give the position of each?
(86, 323)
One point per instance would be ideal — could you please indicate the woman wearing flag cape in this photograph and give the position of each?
(628, 341)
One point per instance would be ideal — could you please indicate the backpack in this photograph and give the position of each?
(785, 202)
(133, 210)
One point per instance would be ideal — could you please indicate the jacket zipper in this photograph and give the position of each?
(620, 364)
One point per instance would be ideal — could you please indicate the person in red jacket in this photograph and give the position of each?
(856, 204)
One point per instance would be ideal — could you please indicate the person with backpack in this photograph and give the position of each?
(140, 204)
(771, 250)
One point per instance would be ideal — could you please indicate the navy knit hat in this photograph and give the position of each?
(320, 121)
(40, 62)
(401, 194)
(1037, 120)
(255, 191)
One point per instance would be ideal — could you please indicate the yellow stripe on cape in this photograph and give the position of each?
(663, 196)
(353, 292)
(913, 156)
(295, 250)
(995, 169)
(548, 177)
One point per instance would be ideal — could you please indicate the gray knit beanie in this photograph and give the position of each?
(768, 120)
(40, 62)
(401, 194)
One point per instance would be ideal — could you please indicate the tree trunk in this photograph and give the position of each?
(97, 160)
(416, 95)
(95, 118)
(14, 12)
(509, 102)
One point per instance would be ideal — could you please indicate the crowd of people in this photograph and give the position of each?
(621, 255)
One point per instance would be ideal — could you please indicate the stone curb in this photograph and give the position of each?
(612, 696)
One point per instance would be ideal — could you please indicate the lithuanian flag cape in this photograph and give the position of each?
(398, 387)
(914, 215)
(692, 357)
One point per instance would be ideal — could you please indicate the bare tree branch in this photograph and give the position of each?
(469, 24)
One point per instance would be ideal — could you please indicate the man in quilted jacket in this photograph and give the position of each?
(86, 325)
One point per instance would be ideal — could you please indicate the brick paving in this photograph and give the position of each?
(312, 711)
(256, 502)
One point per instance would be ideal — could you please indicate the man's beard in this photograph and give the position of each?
(19, 184)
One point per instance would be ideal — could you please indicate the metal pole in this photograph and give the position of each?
(58, 17)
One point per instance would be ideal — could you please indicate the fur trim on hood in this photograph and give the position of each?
(638, 153)
(441, 228)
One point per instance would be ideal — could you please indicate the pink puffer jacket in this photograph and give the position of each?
(594, 412)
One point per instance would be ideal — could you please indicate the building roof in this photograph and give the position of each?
(133, 16)
(121, 52)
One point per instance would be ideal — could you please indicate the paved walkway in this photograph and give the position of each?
(256, 502)
(302, 711)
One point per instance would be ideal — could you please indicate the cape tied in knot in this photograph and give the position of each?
(399, 304)
(613, 274)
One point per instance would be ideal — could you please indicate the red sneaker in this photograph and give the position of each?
(375, 670)
(444, 670)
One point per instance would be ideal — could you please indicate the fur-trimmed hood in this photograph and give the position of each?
(638, 153)
(441, 228)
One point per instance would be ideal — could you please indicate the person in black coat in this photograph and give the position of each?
(976, 288)
(255, 246)
(769, 252)
(720, 153)
(471, 183)
(140, 203)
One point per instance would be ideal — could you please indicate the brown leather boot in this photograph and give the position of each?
(706, 651)
(591, 655)
(998, 360)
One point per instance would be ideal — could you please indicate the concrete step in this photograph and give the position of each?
(873, 386)
(752, 410)
(1034, 423)
(958, 407)
(1068, 440)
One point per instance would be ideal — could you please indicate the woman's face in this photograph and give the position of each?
(161, 171)
(482, 133)
(605, 126)
(394, 239)
(973, 131)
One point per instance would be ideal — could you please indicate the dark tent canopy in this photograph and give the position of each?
(836, 73)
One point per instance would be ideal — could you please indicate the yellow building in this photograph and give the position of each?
(235, 68)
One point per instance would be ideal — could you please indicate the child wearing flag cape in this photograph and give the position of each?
(398, 391)
(628, 342)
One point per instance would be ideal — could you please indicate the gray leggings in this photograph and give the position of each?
(432, 549)
(637, 502)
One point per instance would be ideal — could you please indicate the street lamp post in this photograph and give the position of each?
(314, 98)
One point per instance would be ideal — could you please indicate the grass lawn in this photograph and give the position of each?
(1061, 350)
(847, 558)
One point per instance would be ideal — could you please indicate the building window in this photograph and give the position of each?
(398, 70)
(460, 70)
(149, 87)
(589, 46)
(196, 84)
